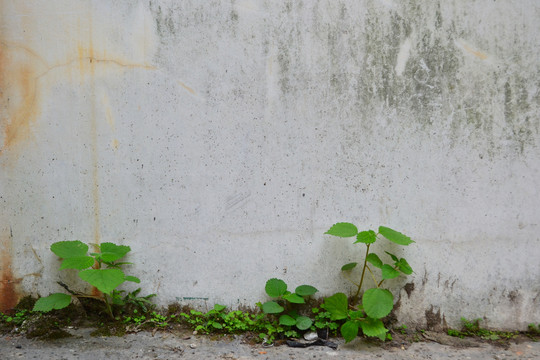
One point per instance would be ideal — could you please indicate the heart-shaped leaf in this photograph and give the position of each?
(374, 260)
(294, 298)
(343, 230)
(303, 322)
(373, 327)
(404, 266)
(395, 236)
(68, 249)
(389, 272)
(111, 252)
(77, 262)
(349, 330)
(286, 320)
(53, 301)
(105, 280)
(272, 307)
(275, 287)
(366, 237)
(305, 290)
(336, 305)
(377, 302)
(132, 279)
(348, 266)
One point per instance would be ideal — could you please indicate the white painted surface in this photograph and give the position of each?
(221, 140)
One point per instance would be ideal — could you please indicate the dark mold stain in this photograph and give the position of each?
(434, 320)
(409, 287)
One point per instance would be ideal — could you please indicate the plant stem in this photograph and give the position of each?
(348, 278)
(373, 277)
(355, 298)
(109, 310)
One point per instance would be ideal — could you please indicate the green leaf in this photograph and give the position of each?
(377, 302)
(389, 272)
(286, 320)
(68, 249)
(303, 322)
(217, 325)
(112, 252)
(394, 257)
(373, 327)
(336, 305)
(77, 262)
(219, 307)
(366, 237)
(105, 280)
(272, 307)
(275, 287)
(348, 266)
(374, 260)
(294, 298)
(343, 230)
(305, 290)
(53, 301)
(404, 266)
(395, 236)
(356, 314)
(349, 330)
(132, 279)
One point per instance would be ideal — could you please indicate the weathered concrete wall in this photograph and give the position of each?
(220, 139)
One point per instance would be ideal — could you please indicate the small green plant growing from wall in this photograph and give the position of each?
(376, 302)
(100, 269)
(277, 289)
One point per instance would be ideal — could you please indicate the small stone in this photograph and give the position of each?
(192, 346)
(311, 336)
(18, 346)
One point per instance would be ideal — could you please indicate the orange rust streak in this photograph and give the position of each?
(8, 294)
(187, 88)
(478, 54)
(18, 84)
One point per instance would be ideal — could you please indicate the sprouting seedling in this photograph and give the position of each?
(376, 302)
(100, 269)
(277, 288)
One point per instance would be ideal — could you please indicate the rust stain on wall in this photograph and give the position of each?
(19, 93)
(478, 54)
(190, 90)
(8, 294)
(22, 72)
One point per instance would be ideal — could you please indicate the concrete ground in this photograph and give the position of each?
(166, 345)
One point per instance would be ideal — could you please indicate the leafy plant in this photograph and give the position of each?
(16, 319)
(100, 269)
(376, 302)
(473, 328)
(277, 288)
(219, 320)
(534, 329)
(132, 300)
(322, 320)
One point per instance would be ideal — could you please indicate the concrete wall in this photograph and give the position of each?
(221, 139)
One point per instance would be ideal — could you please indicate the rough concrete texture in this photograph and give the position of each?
(145, 345)
(221, 139)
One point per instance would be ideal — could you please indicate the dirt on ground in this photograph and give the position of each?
(182, 344)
